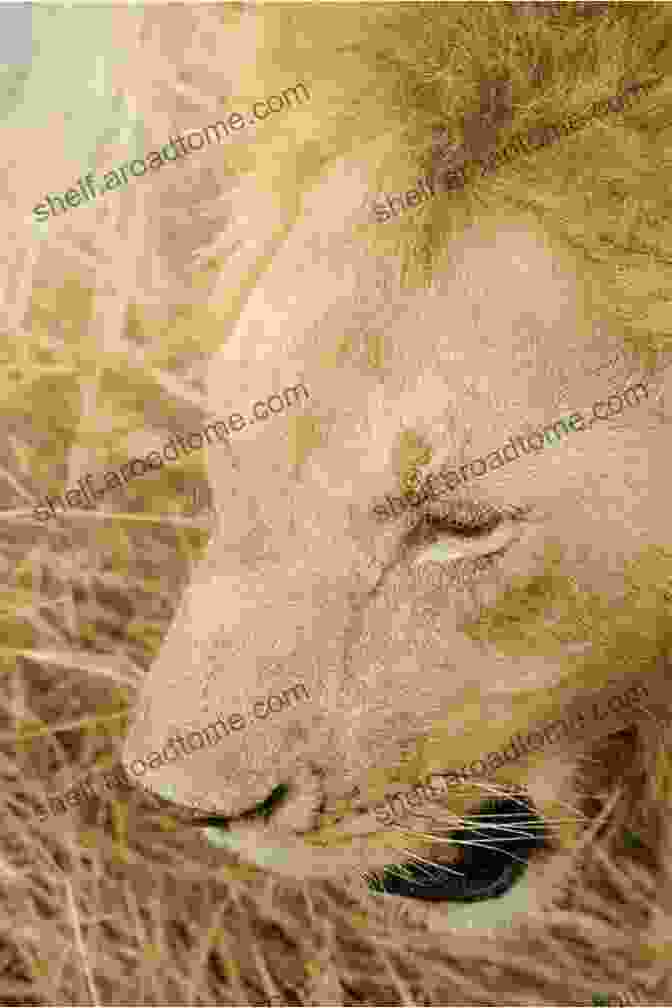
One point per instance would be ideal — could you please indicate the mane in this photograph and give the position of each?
(399, 84)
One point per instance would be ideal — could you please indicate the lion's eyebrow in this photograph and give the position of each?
(432, 487)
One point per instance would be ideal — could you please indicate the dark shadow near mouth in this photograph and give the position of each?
(495, 848)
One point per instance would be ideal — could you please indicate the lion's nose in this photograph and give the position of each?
(290, 807)
(246, 688)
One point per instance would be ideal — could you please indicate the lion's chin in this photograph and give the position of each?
(299, 860)
(341, 856)
(288, 856)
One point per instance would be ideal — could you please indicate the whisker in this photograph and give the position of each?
(413, 856)
(500, 790)
(475, 824)
(479, 838)
(491, 847)
(431, 876)
(435, 838)
(511, 832)
(476, 821)
(501, 815)
(506, 834)
(452, 841)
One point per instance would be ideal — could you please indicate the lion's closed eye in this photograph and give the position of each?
(467, 526)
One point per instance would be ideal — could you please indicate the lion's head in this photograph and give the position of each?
(426, 739)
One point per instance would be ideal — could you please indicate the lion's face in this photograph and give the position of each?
(340, 674)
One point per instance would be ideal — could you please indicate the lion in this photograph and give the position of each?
(432, 745)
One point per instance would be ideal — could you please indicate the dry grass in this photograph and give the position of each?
(111, 902)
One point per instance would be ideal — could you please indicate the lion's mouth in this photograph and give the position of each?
(480, 859)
